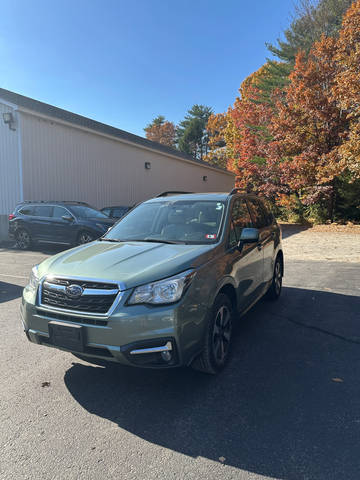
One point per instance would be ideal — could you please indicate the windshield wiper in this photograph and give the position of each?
(155, 240)
(116, 240)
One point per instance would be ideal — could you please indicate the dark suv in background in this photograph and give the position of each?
(115, 211)
(68, 223)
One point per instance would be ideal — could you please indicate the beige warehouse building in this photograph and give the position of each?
(47, 153)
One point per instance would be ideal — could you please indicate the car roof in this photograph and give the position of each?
(117, 206)
(54, 202)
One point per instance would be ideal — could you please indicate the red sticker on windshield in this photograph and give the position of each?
(210, 236)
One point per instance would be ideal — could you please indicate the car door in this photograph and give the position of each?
(24, 219)
(262, 220)
(246, 264)
(41, 223)
(63, 230)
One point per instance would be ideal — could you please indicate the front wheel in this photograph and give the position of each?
(275, 288)
(217, 342)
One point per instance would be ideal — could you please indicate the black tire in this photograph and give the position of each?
(274, 291)
(23, 239)
(85, 237)
(217, 343)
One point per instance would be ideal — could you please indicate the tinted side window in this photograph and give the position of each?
(59, 212)
(42, 210)
(240, 218)
(28, 210)
(257, 214)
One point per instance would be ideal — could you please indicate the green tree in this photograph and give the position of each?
(312, 19)
(192, 136)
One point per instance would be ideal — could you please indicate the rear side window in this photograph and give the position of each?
(27, 210)
(268, 213)
(258, 214)
(240, 218)
(42, 211)
(60, 212)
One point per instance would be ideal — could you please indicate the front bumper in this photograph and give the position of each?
(137, 335)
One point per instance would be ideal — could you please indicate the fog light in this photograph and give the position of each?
(166, 356)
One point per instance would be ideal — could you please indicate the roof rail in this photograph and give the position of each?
(170, 192)
(54, 201)
(239, 190)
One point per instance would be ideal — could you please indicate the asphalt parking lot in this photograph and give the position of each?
(286, 407)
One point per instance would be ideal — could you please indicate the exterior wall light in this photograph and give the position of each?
(8, 118)
(147, 165)
(205, 178)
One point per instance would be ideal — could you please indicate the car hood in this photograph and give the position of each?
(131, 263)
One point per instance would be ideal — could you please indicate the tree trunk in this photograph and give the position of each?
(332, 202)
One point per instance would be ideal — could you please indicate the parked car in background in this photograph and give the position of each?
(115, 212)
(163, 287)
(68, 223)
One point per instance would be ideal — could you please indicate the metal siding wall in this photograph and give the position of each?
(10, 188)
(65, 163)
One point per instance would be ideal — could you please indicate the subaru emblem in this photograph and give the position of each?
(74, 291)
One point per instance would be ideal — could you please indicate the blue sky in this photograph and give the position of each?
(125, 62)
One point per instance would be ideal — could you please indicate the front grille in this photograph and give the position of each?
(83, 283)
(53, 294)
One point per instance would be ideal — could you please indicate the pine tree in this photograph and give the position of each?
(192, 136)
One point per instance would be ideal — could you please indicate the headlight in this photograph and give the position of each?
(169, 290)
(34, 278)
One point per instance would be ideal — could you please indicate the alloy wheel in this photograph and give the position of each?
(222, 334)
(85, 237)
(277, 278)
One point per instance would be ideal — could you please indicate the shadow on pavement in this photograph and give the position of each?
(275, 410)
(292, 229)
(45, 248)
(9, 291)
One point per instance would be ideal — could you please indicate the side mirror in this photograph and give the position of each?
(249, 235)
(67, 218)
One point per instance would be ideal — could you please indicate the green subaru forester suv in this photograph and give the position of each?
(163, 287)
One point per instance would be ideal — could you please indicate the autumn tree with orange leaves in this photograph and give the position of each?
(309, 127)
(216, 154)
(299, 144)
(161, 131)
(347, 86)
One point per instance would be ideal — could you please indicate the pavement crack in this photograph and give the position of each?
(318, 329)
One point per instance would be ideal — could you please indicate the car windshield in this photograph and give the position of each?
(190, 221)
(86, 212)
